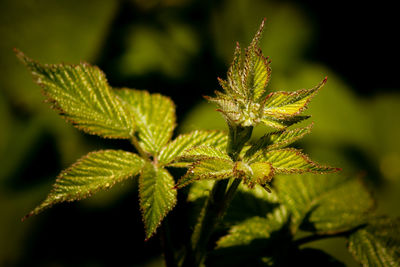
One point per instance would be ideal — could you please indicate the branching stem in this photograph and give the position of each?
(218, 201)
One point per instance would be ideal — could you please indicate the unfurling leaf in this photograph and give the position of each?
(185, 142)
(95, 171)
(378, 244)
(83, 97)
(324, 204)
(211, 168)
(157, 196)
(155, 117)
(291, 160)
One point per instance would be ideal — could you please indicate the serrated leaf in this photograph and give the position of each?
(378, 244)
(275, 140)
(324, 204)
(185, 142)
(251, 241)
(254, 228)
(211, 168)
(91, 173)
(199, 153)
(154, 115)
(288, 104)
(157, 196)
(81, 94)
(290, 160)
(282, 123)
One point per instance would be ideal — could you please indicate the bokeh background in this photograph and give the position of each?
(179, 48)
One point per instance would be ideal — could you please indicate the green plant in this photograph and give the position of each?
(261, 225)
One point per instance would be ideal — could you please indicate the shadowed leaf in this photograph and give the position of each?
(378, 244)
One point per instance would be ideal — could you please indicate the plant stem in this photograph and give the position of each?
(167, 245)
(218, 201)
(316, 237)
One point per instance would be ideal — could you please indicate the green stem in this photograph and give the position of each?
(139, 149)
(218, 201)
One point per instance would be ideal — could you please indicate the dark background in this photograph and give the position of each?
(178, 48)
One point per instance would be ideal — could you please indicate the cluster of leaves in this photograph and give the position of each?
(81, 94)
(326, 206)
(244, 104)
(261, 229)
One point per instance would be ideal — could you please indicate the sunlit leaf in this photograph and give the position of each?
(329, 203)
(211, 168)
(157, 196)
(185, 142)
(199, 153)
(287, 104)
(95, 171)
(154, 115)
(290, 160)
(81, 94)
(378, 244)
(280, 139)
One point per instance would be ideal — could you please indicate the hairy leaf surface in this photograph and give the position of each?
(185, 142)
(329, 203)
(155, 117)
(378, 244)
(254, 228)
(290, 160)
(280, 139)
(211, 168)
(287, 104)
(95, 171)
(157, 196)
(83, 97)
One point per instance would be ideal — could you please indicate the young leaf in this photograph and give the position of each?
(288, 104)
(378, 244)
(157, 196)
(211, 168)
(95, 171)
(83, 97)
(155, 117)
(290, 160)
(282, 123)
(187, 141)
(277, 140)
(324, 204)
(199, 153)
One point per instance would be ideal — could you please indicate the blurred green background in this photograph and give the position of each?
(178, 48)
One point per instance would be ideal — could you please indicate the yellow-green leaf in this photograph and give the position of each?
(185, 142)
(81, 94)
(93, 172)
(290, 160)
(275, 140)
(206, 169)
(157, 196)
(288, 104)
(154, 115)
